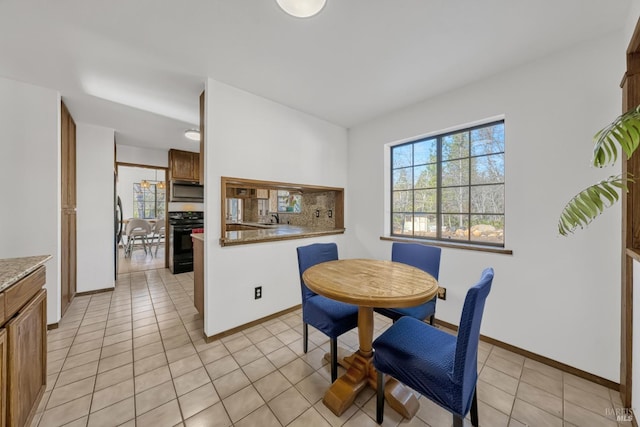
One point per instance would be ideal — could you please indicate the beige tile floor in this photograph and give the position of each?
(136, 357)
(139, 260)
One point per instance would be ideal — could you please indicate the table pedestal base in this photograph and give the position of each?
(360, 374)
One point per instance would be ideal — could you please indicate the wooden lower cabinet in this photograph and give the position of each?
(27, 360)
(23, 348)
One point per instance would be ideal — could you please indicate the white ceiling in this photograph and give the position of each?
(138, 66)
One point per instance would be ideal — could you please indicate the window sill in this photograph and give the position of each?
(453, 245)
(633, 253)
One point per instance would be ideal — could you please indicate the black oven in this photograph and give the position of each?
(181, 225)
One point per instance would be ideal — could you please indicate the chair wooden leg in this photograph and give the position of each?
(474, 409)
(334, 359)
(380, 399)
(457, 421)
(305, 337)
(431, 319)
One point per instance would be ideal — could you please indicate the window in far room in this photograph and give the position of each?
(450, 187)
(148, 200)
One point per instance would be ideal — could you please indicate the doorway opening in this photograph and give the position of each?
(142, 192)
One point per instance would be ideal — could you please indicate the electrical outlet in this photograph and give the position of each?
(258, 292)
(442, 293)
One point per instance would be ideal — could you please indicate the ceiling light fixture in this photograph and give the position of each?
(192, 134)
(301, 8)
(159, 184)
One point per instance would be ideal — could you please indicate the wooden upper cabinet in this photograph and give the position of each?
(184, 165)
(196, 167)
(68, 139)
(68, 212)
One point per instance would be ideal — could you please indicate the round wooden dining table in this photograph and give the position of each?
(369, 283)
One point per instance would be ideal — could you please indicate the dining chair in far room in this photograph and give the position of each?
(332, 318)
(157, 232)
(427, 259)
(137, 229)
(440, 366)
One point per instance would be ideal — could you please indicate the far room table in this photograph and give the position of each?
(369, 283)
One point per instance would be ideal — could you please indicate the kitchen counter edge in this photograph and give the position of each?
(14, 269)
(302, 235)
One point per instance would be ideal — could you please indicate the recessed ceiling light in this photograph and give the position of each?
(301, 8)
(192, 134)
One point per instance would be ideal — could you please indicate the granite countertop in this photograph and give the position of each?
(198, 236)
(14, 269)
(275, 232)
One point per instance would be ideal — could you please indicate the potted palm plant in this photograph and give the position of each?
(623, 133)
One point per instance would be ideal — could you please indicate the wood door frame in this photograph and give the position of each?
(630, 223)
(166, 201)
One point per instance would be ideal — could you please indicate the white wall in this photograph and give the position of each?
(95, 207)
(30, 176)
(127, 176)
(632, 19)
(142, 156)
(558, 297)
(251, 137)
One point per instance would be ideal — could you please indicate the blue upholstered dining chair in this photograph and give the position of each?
(438, 365)
(332, 318)
(426, 258)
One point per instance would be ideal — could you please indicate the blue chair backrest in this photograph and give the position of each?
(426, 258)
(465, 370)
(310, 255)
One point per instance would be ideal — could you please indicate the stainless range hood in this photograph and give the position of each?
(185, 191)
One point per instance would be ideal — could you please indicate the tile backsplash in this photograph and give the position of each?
(311, 201)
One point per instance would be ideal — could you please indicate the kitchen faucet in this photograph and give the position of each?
(277, 217)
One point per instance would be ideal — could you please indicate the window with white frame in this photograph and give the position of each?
(450, 187)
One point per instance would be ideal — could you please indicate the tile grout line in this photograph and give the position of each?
(135, 394)
(99, 373)
(165, 349)
(95, 378)
(72, 343)
(203, 365)
(133, 378)
(515, 397)
(45, 409)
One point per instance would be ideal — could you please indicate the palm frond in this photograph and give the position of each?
(590, 203)
(623, 132)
